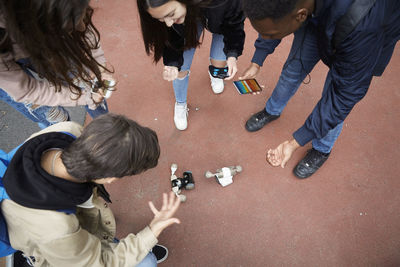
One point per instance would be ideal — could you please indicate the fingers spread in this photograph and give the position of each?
(165, 202)
(172, 221)
(153, 209)
(171, 200)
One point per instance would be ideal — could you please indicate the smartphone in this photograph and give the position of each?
(247, 86)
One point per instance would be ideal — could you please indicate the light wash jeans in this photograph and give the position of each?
(302, 58)
(216, 52)
(149, 261)
(40, 115)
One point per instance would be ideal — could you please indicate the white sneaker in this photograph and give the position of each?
(180, 116)
(217, 85)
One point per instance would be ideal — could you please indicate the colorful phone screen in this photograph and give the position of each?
(247, 86)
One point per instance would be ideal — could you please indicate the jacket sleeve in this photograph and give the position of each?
(173, 51)
(264, 47)
(347, 83)
(232, 29)
(25, 88)
(81, 248)
(87, 240)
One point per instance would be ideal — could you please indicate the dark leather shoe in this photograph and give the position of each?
(259, 120)
(310, 163)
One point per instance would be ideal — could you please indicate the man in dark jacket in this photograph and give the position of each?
(355, 39)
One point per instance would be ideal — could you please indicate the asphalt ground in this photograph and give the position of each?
(15, 127)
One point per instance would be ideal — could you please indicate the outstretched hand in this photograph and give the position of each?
(281, 155)
(251, 72)
(163, 217)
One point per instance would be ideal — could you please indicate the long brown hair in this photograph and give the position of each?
(46, 30)
(155, 33)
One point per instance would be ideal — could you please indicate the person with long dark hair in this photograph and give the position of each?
(60, 216)
(172, 29)
(49, 57)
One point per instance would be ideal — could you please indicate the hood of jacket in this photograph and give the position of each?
(29, 185)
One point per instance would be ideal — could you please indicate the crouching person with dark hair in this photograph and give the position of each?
(57, 212)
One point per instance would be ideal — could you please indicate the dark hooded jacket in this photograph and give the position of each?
(29, 185)
(364, 53)
(45, 221)
(220, 16)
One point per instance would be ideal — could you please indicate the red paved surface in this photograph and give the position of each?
(345, 215)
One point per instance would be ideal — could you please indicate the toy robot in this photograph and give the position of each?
(177, 183)
(224, 175)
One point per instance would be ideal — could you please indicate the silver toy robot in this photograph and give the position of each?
(224, 175)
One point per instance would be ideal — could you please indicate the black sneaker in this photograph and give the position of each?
(160, 252)
(20, 260)
(259, 120)
(310, 163)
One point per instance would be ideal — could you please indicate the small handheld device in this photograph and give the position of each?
(220, 73)
(247, 86)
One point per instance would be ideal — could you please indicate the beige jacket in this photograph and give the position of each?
(24, 88)
(82, 239)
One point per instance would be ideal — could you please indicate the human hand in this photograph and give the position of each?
(170, 73)
(232, 67)
(97, 96)
(251, 72)
(102, 90)
(281, 155)
(163, 217)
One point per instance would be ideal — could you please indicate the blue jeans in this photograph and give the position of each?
(302, 58)
(100, 110)
(216, 52)
(149, 261)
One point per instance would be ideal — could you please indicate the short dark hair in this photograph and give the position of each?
(111, 146)
(273, 9)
